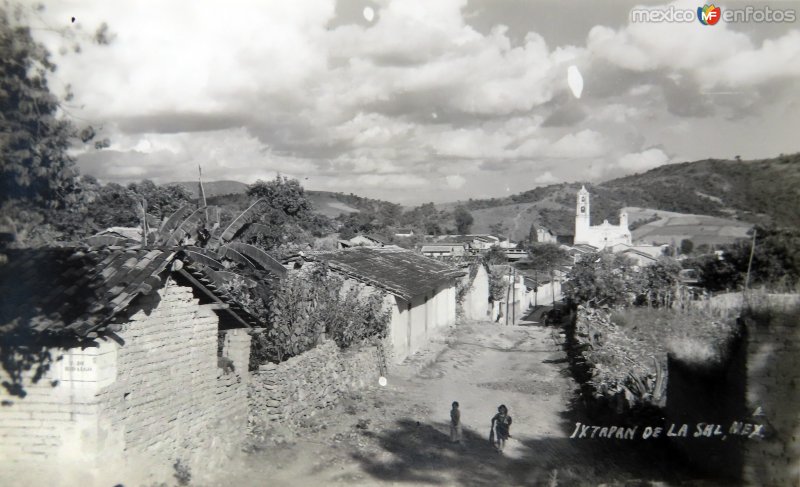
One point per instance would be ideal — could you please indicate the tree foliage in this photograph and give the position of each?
(597, 278)
(776, 262)
(117, 205)
(34, 164)
(604, 278)
(313, 302)
(42, 197)
(533, 236)
(495, 255)
(659, 283)
(463, 220)
(546, 257)
(287, 217)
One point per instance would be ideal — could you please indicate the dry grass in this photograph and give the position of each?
(696, 336)
(628, 349)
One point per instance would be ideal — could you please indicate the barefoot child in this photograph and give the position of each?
(501, 426)
(455, 424)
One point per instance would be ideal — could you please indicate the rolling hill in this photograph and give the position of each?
(710, 201)
(232, 193)
(212, 188)
(736, 193)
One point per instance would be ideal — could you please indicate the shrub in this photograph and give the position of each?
(349, 318)
(314, 302)
(497, 284)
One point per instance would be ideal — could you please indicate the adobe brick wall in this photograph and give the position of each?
(291, 391)
(125, 413)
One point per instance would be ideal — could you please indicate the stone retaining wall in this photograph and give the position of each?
(291, 391)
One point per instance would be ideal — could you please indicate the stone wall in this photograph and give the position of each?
(291, 391)
(124, 411)
(475, 303)
(522, 299)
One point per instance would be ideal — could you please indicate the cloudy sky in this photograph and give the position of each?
(419, 100)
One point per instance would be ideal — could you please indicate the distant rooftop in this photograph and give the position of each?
(398, 271)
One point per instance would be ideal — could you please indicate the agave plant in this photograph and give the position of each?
(205, 245)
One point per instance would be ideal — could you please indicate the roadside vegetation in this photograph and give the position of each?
(629, 318)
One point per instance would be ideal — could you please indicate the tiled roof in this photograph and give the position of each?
(76, 290)
(639, 253)
(398, 271)
(440, 247)
(378, 238)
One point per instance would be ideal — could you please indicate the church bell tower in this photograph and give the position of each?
(582, 222)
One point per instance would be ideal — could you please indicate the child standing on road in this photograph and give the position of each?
(455, 424)
(501, 427)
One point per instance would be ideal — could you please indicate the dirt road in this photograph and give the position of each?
(399, 434)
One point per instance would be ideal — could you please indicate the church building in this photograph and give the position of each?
(600, 236)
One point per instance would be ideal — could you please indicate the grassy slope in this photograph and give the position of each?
(213, 188)
(747, 191)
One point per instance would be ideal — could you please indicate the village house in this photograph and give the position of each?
(438, 249)
(368, 241)
(576, 251)
(117, 363)
(516, 254)
(643, 255)
(544, 235)
(421, 292)
(483, 242)
(404, 232)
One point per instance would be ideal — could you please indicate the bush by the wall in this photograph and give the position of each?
(308, 304)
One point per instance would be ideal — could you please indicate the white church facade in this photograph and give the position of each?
(600, 236)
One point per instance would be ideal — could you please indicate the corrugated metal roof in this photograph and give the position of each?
(398, 271)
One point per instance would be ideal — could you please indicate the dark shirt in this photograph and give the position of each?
(502, 424)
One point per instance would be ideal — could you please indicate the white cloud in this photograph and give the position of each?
(260, 87)
(584, 144)
(394, 181)
(615, 112)
(775, 59)
(224, 154)
(545, 178)
(714, 56)
(643, 161)
(191, 57)
(455, 181)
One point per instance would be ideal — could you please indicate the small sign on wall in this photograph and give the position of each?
(90, 367)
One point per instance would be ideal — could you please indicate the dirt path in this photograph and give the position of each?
(398, 434)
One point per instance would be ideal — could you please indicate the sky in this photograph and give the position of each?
(418, 100)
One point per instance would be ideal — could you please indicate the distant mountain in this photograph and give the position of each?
(739, 192)
(232, 194)
(329, 204)
(213, 188)
(735, 193)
